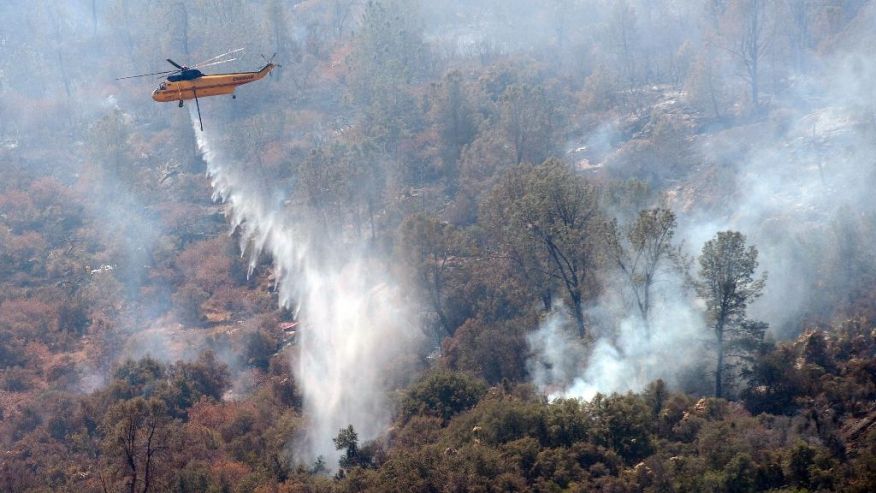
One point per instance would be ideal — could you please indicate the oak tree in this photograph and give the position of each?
(552, 224)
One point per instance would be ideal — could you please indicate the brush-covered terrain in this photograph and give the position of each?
(490, 245)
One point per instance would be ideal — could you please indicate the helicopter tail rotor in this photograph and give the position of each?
(269, 61)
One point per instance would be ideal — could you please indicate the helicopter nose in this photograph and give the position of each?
(155, 95)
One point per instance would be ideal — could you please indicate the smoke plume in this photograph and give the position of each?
(627, 354)
(800, 191)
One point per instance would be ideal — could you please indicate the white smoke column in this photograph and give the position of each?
(556, 352)
(625, 358)
(355, 321)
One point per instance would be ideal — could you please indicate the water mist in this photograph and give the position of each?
(355, 325)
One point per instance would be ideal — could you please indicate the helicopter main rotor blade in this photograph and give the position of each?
(175, 64)
(215, 63)
(147, 75)
(218, 56)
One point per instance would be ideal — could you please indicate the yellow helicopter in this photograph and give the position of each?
(190, 83)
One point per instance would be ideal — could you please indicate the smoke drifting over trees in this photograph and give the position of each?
(448, 245)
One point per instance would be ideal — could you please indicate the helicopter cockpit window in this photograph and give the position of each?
(162, 86)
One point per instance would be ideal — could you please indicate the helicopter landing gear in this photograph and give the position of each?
(180, 103)
(234, 96)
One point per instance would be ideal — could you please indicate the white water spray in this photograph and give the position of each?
(355, 323)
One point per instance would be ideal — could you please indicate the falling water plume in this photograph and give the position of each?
(355, 323)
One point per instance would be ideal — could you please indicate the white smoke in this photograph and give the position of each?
(796, 174)
(557, 353)
(626, 355)
(354, 317)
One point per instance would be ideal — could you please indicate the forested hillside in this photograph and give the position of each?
(483, 245)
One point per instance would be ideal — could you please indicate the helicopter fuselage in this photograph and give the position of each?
(189, 85)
